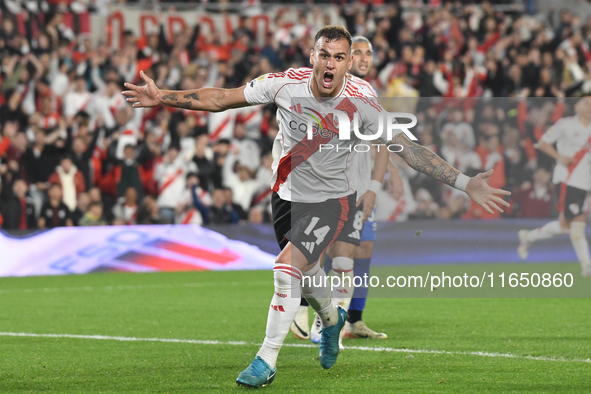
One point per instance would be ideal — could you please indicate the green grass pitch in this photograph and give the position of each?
(230, 307)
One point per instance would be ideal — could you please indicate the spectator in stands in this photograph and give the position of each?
(82, 153)
(491, 157)
(12, 111)
(186, 212)
(127, 171)
(426, 207)
(458, 127)
(171, 176)
(255, 215)
(533, 199)
(219, 212)
(16, 209)
(81, 208)
(203, 159)
(94, 215)
(95, 195)
(125, 211)
(148, 212)
(39, 162)
(515, 158)
(239, 209)
(8, 133)
(54, 213)
(70, 179)
(240, 180)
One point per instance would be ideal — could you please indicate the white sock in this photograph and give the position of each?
(579, 241)
(316, 289)
(284, 306)
(548, 230)
(343, 269)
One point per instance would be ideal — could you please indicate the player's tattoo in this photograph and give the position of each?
(424, 160)
(184, 104)
(171, 96)
(193, 96)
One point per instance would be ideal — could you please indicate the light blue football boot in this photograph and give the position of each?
(258, 374)
(329, 343)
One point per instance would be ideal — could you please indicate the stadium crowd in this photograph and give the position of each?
(72, 152)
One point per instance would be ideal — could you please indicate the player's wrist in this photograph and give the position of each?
(462, 182)
(159, 99)
(375, 186)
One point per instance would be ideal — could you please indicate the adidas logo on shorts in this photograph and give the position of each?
(309, 246)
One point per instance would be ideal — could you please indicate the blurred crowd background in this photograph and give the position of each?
(486, 80)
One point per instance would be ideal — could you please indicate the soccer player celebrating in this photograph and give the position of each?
(312, 198)
(572, 177)
(351, 252)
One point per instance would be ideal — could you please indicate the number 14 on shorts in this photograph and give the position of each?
(319, 233)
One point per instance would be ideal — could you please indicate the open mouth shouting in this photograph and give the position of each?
(327, 80)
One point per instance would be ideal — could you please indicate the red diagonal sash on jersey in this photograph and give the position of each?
(306, 148)
(571, 168)
(214, 136)
(170, 180)
(246, 118)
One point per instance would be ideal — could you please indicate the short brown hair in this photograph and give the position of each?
(333, 32)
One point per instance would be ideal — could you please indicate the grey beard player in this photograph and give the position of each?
(308, 221)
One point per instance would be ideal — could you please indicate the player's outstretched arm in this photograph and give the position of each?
(207, 99)
(427, 162)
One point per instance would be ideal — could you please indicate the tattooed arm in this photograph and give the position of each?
(208, 99)
(426, 161)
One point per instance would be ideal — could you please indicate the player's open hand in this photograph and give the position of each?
(142, 96)
(369, 201)
(484, 195)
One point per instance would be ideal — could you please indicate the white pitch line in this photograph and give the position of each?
(302, 345)
(127, 287)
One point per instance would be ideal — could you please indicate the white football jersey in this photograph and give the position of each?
(362, 160)
(571, 137)
(308, 170)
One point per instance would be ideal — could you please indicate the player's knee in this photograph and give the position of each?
(286, 276)
(344, 249)
(341, 263)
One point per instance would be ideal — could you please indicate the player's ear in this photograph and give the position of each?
(312, 56)
(350, 62)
